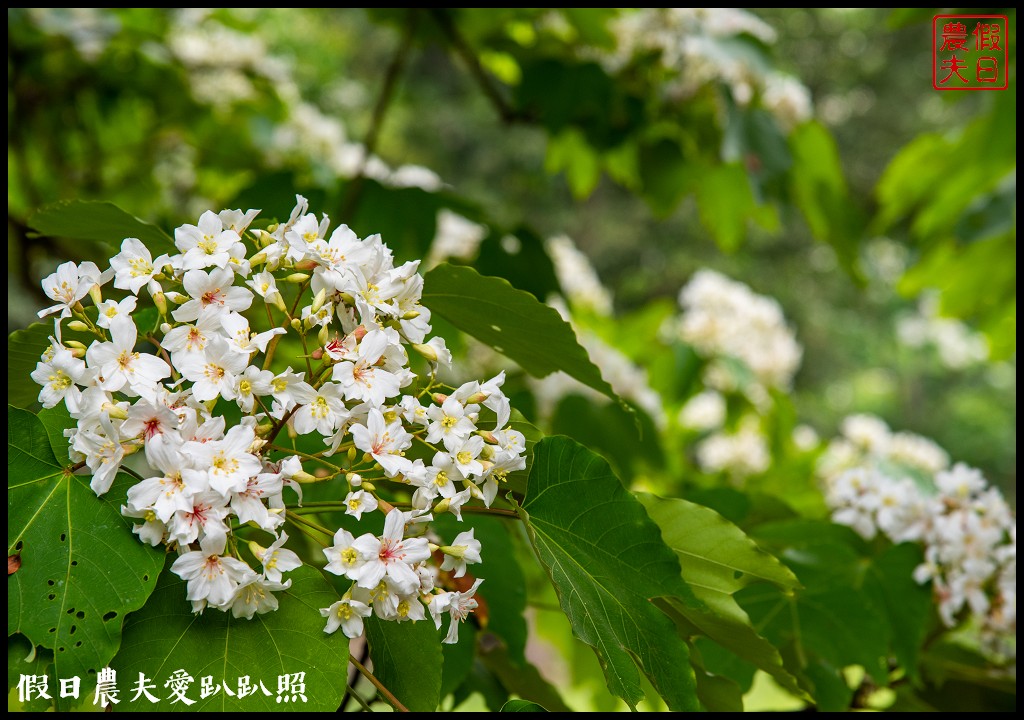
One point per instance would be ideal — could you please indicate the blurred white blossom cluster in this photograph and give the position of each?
(88, 29)
(224, 64)
(697, 47)
(183, 385)
(577, 278)
(901, 486)
(455, 237)
(957, 346)
(724, 318)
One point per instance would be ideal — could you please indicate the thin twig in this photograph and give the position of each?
(379, 685)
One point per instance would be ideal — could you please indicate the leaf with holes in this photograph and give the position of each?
(607, 562)
(81, 568)
(511, 321)
(165, 636)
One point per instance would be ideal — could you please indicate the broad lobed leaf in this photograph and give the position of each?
(607, 561)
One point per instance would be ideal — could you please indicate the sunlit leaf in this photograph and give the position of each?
(718, 559)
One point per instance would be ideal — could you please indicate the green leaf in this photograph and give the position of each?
(629, 441)
(55, 420)
(24, 347)
(100, 221)
(82, 568)
(725, 201)
(521, 706)
(907, 603)
(665, 175)
(511, 321)
(23, 658)
(570, 152)
(819, 188)
(834, 621)
(717, 693)
(718, 559)
(166, 636)
(607, 561)
(457, 660)
(407, 660)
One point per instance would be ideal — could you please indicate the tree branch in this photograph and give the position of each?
(507, 113)
(378, 684)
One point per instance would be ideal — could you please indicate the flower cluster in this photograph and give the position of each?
(957, 346)
(182, 384)
(901, 486)
(722, 317)
(693, 47)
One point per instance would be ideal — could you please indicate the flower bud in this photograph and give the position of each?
(296, 324)
(74, 343)
(305, 265)
(411, 315)
(78, 326)
(359, 333)
(256, 549)
(426, 351)
(443, 505)
(78, 353)
(272, 228)
(324, 336)
(115, 412)
(351, 455)
(258, 259)
(354, 479)
(297, 278)
(161, 302)
(96, 294)
(317, 354)
(263, 429)
(304, 477)
(456, 551)
(488, 436)
(279, 303)
(476, 398)
(318, 301)
(166, 328)
(369, 486)
(433, 548)
(439, 398)
(177, 298)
